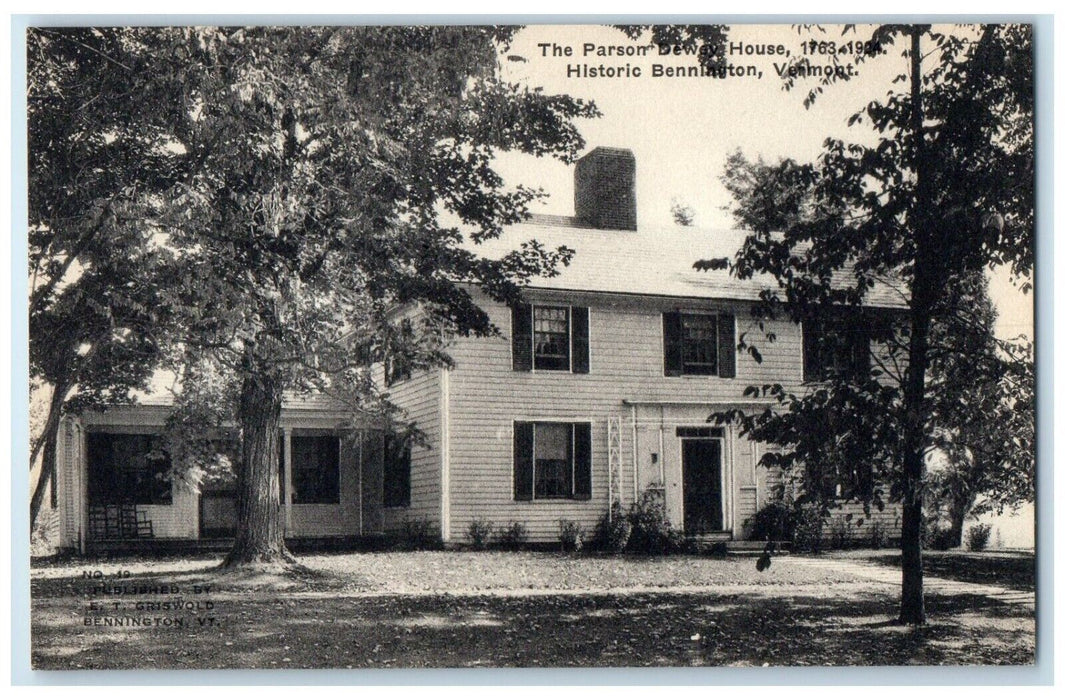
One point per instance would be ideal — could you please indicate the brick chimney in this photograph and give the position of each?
(604, 189)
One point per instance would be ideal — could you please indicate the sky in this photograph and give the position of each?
(682, 129)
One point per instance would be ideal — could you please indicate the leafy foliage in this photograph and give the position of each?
(878, 535)
(652, 533)
(297, 184)
(683, 215)
(570, 535)
(979, 536)
(479, 533)
(97, 161)
(982, 392)
(327, 213)
(419, 534)
(937, 537)
(841, 530)
(613, 530)
(513, 536)
(773, 522)
(809, 533)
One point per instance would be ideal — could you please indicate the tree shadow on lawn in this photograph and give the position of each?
(660, 629)
(1010, 570)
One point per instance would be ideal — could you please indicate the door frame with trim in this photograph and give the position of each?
(703, 434)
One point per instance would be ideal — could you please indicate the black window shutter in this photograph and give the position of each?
(389, 471)
(811, 365)
(521, 337)
(726, 345)
(281, 464)
(673, 339)
(580, 339)
(397, 472)
(405, 466)
(582, 461)
(523, 461)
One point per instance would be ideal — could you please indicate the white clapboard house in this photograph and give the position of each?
(598, 389)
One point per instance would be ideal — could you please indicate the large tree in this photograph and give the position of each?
(96, 155)
(945, 190)
(982, 394)
(335, 174)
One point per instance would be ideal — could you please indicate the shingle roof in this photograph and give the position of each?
(649, 261)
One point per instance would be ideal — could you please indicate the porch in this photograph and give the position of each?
(117, 492)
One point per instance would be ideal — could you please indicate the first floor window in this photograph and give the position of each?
(553, 455)
(552, 460)
(838, 483)
(315, 469)
(397, 472)
(128, 469)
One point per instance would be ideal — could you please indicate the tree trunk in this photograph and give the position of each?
(961, 504)
(48, 441)
(957, 523)
(911, 609)
(260, 534)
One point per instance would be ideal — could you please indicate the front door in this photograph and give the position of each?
(702, 486)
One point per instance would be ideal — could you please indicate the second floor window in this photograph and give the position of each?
(834, 347)
(397, 369)
(551, 338)
(838, 483)
(699, 344)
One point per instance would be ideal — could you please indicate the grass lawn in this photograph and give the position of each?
(460, 609)
(1012, 569)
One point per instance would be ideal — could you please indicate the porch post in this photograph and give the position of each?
(79, 497)
(730, 481)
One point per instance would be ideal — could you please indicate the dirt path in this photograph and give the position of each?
(934, 584)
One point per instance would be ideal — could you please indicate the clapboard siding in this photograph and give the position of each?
(180, 519)
(419, 397)
(626, 363)
(626, 356)
(860, 526)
